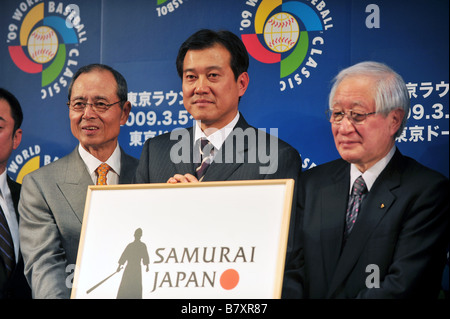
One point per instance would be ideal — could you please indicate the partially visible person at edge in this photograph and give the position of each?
(13, 284)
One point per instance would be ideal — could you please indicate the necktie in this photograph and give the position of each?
(206, 152)
(354, 204)
(6, 244)
(102, 170)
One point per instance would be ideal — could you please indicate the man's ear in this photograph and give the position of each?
(17, 138)
(125, 112)
(243, 81)
(397, 116)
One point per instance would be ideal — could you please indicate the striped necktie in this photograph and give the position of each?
(6, 244)
(206, 153)
(359, 191)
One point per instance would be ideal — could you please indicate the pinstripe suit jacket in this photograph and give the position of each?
(15, 287)
(157, 164)
(51, 211)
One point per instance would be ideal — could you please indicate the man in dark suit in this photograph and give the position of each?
(12, 280)
(213, 68)
(389, 239)
(53, 197)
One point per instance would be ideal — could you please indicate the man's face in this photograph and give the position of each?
(8, 140)
(97, 132)
(210, 91)
(363, 144)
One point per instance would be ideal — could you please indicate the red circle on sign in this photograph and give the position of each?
(229, 279)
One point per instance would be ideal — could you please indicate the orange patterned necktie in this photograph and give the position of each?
(102, 170)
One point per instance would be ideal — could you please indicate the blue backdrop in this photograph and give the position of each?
(45, 42)
(288, 90)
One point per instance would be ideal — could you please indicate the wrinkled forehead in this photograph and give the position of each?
(96, 84)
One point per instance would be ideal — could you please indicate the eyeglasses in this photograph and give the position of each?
(98, 107)
(355, 117)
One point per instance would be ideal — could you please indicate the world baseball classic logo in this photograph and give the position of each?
(44, 39)
(289, 33)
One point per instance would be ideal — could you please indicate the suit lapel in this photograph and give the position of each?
(333, 199)
(127, 168)
(188, 166)
(14, 188)
(76, 176)
(375, 206)
(222, 170)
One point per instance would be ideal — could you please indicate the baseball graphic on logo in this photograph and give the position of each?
(281, 32)
(43, 44)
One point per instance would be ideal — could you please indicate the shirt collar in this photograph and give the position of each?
(372, 173)
(4, 189)
(92, 162)
(217, 138)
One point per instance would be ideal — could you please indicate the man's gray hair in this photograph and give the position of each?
(390, 92)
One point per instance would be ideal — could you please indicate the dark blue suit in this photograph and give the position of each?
(16, 287)
(156, 165)
(402, 229)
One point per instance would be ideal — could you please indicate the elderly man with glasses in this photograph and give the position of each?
(373, 224)
(53, 197)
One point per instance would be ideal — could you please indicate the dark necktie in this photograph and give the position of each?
(6, 244)
(359, 191)
(206, 152)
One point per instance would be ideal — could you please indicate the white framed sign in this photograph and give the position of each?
(192, 240)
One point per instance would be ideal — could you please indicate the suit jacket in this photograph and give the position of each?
(163, 157)
(16, 286)
(402, 230)
(238, 159)
(51, 212)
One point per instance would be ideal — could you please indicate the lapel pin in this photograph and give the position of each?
(382, 205)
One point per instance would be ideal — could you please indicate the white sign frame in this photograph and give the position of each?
(204, 240)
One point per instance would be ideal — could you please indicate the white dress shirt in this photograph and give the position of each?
(218, 137)
(372, 173)
(112, 178)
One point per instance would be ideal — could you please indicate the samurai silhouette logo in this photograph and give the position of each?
(134, 256)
